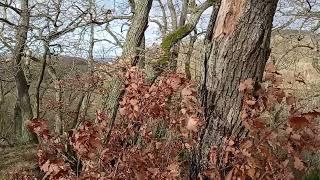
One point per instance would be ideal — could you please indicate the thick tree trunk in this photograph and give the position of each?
(17, 119)
(141, 61)
(208, 37)
(130, 50)
(137, 27)
(23, 98)
(240, 49)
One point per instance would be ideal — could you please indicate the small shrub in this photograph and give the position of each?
(132, 147)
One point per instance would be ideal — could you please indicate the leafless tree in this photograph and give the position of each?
(23, 98)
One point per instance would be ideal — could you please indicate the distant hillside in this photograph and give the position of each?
(294, 56)
(290, 49)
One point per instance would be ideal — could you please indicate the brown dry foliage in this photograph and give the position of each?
(134, 147)
(159, 124)
(274, 148)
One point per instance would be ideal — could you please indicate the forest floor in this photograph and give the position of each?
(22, 160)
(17, 159)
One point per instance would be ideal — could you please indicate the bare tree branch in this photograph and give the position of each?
(7, 22)
(18, 11)
(164, 18)
(111, 19)
(115, 38)
(173, 14)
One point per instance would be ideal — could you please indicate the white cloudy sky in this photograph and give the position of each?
(152, 33)
(104, 49)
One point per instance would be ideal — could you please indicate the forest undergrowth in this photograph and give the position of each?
(157, 129)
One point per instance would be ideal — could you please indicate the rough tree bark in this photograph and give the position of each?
(240, 49)
(142, 48)
(137, 27)
(208, 37)
(134, 39)
(1, 94)
(23, 98)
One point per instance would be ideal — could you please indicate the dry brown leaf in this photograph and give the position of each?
(298, 122)
(186, 91)
(251, 102)
(271, 68)
(122, 111)
(192, 124)
(298, 164)
(290, 100)
(230, 175)
(174, 169)
(296, 136)
(251, 172)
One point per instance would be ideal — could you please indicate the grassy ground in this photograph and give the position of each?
(17, 159)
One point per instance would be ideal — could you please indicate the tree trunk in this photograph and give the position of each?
(84, 102)
(58, 123)
(173, 14)
(137, 27)
(141, 61)
(17, 119)
(240, 50)
(173, 60)
(23, 98)
(1, 94)
(86, 94)
(187, 70)
(208, 38)
(134, 39)
(40, 79)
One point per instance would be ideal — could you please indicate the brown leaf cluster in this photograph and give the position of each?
(150, 140)
(274, 148)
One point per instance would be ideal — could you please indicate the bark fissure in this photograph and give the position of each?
(240, 49)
